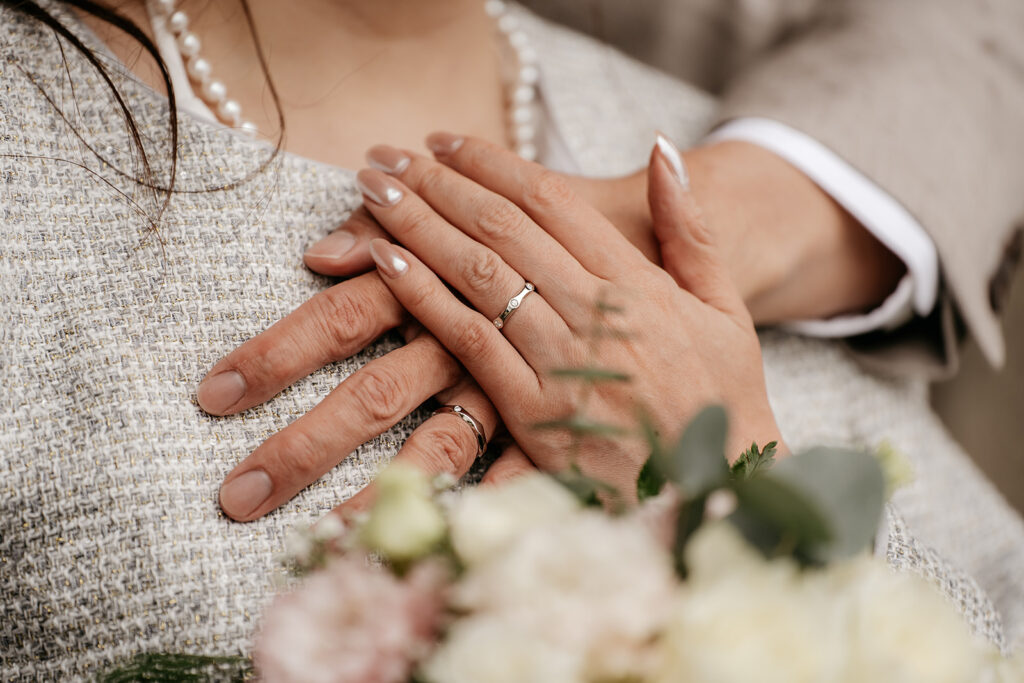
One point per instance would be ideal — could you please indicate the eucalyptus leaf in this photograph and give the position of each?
(691, 516)
(696, 464)
(591, 374)
(846, 486)
(588, 490)
(780, 519)
(581, 426)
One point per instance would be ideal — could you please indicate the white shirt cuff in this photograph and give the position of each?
(876, 210)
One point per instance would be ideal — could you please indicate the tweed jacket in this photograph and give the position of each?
(111, 540)
(923, 97)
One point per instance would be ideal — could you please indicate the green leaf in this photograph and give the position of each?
(697, 463)
(778, 519)
(172, 667)
(582, 426)
(691, 515)
(591, 374)
(848, 489)
(587, 490)
(651, 479)
(752, 461)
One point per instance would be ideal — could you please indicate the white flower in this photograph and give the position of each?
(485, 520)
(405, 522)
(487, 649)
(742, 618)
(594, 588)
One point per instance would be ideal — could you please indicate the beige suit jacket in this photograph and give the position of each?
(924, 97)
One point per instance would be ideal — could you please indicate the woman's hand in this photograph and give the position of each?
(486, 222)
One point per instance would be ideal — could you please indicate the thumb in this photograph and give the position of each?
(688, 248)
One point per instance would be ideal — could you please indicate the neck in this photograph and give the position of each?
(352, 73)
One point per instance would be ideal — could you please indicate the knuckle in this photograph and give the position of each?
(547, 191)
(431, 179)
(380, 394)
(447, 450)
(297, 456)
(417, 220)
(343, 317)
(482, 270)
(471, 339)
(498, 219)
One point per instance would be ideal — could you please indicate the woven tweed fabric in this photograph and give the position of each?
(111, 541)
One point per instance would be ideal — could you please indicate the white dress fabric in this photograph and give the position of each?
(111, 540)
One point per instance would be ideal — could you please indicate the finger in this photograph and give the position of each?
(687, 246)
(346, 251)
(480, 274)
(546, 197)
(503, 374)
(512, 463)
(443, 444)
(367, 403)
(332, 325)
(494, 221)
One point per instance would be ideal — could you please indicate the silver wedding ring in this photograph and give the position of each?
(513, 305)
(474, 424)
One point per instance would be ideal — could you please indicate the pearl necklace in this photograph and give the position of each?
(521, 84)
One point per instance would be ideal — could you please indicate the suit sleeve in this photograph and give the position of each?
(926, 99)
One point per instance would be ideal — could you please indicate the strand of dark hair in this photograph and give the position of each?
(113, 18)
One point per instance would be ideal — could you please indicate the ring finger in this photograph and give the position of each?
(473, 269)
(445, 443)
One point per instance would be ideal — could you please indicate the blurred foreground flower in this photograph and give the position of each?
(352, 622)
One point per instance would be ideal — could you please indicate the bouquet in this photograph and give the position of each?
(758, 572)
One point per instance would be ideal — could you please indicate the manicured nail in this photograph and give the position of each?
(246, 492)
(218, 393)
(387, 159)
(388, 259)
(670, 153)
(335, 245)
(443, 144)
(378, 188)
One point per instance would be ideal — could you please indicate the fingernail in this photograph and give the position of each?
(387, 159)
(378, 188)
(246, 492)
(335, 245)
(218, 393)
(670, 153)
(388, 259)
(443, 144)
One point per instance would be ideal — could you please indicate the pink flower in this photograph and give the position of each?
(352, 623)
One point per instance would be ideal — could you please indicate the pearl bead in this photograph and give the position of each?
(518, 40)
(494, 8)
(214, 91)
(529, 74)
(199, 69)
(230, 111)
(178, 23)
(249, 128)
(527, 151)
(525, 132)
(527, 56)
(523, 94)
(507, 23)
(166, 6)
(521, 115)
(189, 44)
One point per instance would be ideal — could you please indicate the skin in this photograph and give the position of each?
(483, 230)
(791, 251)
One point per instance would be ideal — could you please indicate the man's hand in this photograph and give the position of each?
(792, 251)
